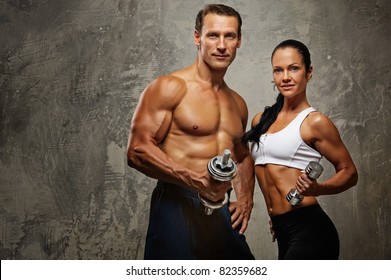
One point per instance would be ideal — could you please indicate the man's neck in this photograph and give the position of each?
(211, 76)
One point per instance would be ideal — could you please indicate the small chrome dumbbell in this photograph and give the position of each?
(220, 168)
(313, 171)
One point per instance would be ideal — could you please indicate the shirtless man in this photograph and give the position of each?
(182, 121)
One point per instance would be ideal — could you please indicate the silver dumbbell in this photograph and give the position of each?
(220, 168)
(313, 171)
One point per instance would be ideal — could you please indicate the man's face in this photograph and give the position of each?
(218, 40)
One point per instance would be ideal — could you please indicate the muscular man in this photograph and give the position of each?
(183, 120)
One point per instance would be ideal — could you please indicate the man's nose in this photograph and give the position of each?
(222, 45)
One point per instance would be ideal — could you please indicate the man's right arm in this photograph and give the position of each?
(149, 127)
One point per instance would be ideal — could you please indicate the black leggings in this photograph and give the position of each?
(306, 233)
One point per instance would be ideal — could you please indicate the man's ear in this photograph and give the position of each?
(197, 38)
(239, 42)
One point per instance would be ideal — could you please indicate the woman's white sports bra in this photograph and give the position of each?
(285, 147)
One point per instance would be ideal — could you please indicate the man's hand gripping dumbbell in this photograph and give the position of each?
(221, 168)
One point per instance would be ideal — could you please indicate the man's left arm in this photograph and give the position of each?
(243, 185)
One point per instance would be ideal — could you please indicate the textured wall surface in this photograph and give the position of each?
(71, 72)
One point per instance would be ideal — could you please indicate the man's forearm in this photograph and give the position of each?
(244, 181)
(154, 163)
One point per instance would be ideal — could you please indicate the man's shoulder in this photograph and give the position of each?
(239, 98)
(168, 84)
(170, 80)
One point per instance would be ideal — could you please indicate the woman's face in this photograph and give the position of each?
(289, 73)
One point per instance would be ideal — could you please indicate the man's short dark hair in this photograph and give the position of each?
(218, 9)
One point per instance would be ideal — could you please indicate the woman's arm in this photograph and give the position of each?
(324, 136)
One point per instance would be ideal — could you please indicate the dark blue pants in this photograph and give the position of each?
(179, 229)
(306, 233)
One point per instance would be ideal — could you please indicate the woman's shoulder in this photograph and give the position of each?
(257, 117)
(320, 125)
(318, 119)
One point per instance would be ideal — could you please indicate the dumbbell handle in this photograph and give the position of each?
(225, 158)
(313, 171)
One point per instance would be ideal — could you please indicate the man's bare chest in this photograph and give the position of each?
(206, 116)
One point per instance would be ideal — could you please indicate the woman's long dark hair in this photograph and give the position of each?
(270, 113)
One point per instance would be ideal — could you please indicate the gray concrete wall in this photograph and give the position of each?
(71, 72)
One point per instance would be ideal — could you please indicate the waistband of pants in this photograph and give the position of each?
(176, 189)
(179, 190)
(299, 213)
